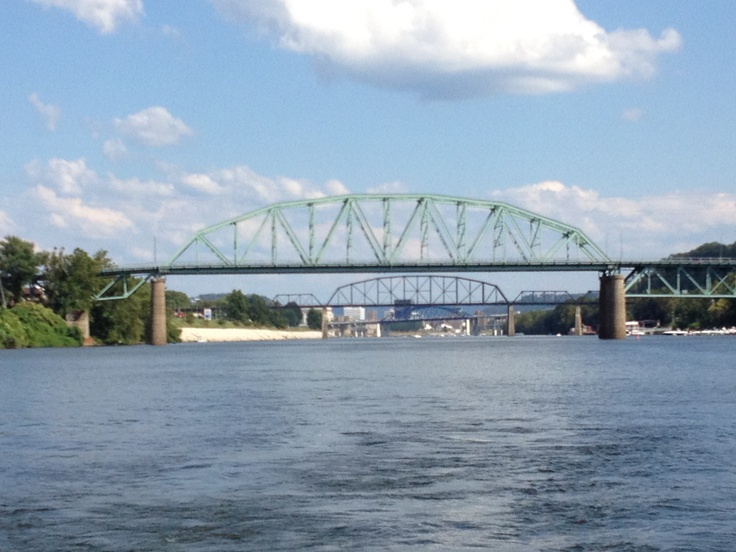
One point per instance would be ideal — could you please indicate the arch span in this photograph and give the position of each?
(425, 290)
(385, 233)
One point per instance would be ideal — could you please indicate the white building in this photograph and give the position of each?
(354, 313)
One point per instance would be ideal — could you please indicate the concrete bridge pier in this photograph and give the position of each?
(578, 320)
(158, 312)
(325, 325)
(511, 323)
(612, 307)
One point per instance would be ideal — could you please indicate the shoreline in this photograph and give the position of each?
(218, 335)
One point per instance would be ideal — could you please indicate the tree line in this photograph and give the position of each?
(38, 289)
(675, 312)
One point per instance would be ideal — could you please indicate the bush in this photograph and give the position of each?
(39, 327)
(12, 333)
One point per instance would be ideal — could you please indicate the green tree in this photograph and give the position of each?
(314, 319)
(19, 266)
(260, 313)
(71, 280)
(123, 321)
(236, 306)
(177, 300)
(293, 314)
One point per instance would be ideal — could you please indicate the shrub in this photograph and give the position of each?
(43, 328)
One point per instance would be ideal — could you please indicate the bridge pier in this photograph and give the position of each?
(511, 323)
(578, 320)
(325, 325)
(158, 311)
(612, 307)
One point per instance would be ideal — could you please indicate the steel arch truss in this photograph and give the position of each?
(427, 290)
(712, 280)
(359, 232)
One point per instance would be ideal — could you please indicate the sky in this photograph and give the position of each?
(127, 125)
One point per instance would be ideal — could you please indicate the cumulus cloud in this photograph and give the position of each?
(154, 126)
(460, 48)
(51, 113)
(638, 227)
(202, 183)
(73, 213)
(68, 177)
(138, 187)
(242, 181)
(114, 149)
(104, 15)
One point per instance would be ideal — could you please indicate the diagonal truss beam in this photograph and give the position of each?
(394, 229)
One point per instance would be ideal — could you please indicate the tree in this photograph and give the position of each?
(19, 265)
(293, 314)
(236, 306)
(71, 281)
(177, 300)
(122, 322)
(314, 319)
(259, 310)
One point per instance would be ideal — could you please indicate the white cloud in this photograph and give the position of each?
(459, 48)
(633, 114)
(72, 213)
(114, 149)
(51, 113)
(640, 227)
(7, 225)
(68, 177)
(389, 188)
(143, 188)
(154, 126)
(244, 182)
(202, 183)
(104, 15)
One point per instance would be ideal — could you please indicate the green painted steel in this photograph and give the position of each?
(412, 233)
(704, 278)
(383, 231)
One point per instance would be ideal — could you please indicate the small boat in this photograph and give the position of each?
(675, 332)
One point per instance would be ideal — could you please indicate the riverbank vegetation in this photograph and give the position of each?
(671, 312)
(40, 289)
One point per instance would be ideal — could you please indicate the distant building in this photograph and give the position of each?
(354, 313)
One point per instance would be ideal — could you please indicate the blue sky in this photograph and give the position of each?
(127, 119)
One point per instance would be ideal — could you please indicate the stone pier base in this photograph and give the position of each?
(578, 320)
(80, 319)
(511, 322)
(612, 308)
(158, 312)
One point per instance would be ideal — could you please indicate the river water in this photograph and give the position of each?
(371, 444)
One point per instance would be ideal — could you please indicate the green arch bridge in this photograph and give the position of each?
(416, 233)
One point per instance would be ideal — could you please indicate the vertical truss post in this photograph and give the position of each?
(311, 232)
(424, 229)
(386, 228)
(461, 220)
(273, 238)
(235, 243)
(349, 228)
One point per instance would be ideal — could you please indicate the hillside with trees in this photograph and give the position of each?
(39, 289)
